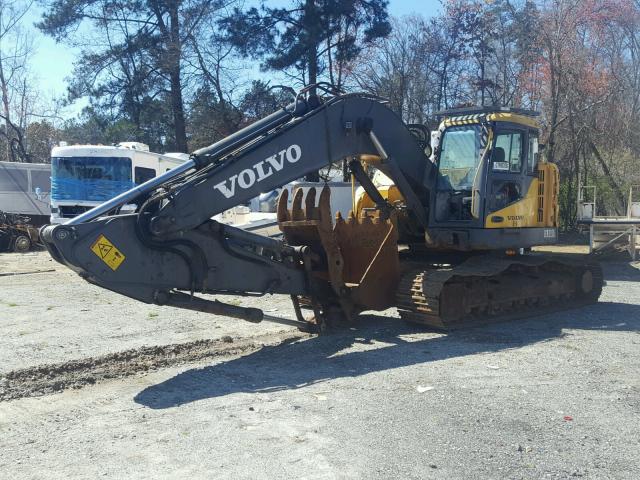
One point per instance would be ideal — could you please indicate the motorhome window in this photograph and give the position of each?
(507, 152)
(144, 174)
(459, 157)
(41, 179)
(13, 180)
(92, 168)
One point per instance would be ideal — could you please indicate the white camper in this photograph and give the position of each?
(83, 176)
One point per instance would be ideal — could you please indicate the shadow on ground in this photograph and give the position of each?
(621, 271)
(297, 364)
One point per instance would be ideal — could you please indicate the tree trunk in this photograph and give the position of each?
(313, 66)
(614, 185)
(178, 111)
(482, 81)
(177, 104)
(311, 23)
(573, 205)
(6, 111)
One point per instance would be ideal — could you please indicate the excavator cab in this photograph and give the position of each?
(485, 164)
(493, 189)
(490, 189)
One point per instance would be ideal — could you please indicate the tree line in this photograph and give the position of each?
(181, 74)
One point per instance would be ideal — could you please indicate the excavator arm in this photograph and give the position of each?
(171, 248)
(342, 128)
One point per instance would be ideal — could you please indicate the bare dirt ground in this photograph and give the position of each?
(54, 316)
(173, 394)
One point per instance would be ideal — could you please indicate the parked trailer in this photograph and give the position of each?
(25, 190)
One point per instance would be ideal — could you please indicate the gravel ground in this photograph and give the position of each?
(55, 316)
(551, 397)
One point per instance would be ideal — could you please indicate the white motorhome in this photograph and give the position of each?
(83, 176)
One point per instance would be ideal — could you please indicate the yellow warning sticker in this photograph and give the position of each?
(107, 252)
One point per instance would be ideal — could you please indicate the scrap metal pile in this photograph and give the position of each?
(16, 233)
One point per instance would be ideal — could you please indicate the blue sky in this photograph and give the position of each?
(53, 62)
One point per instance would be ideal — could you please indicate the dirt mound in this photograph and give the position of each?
(52, 378)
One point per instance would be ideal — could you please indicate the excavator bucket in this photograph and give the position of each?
(357, 256)
(370, 246)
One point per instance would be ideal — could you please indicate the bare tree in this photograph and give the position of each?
(15, 49)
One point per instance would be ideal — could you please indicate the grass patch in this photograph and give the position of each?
(152, 315)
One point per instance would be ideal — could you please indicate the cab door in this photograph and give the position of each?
(508, 179)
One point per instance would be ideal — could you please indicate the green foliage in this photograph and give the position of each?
(41, 136)
(309, 35)
(567, 204)
(135, 58)
(261, 100)
(95, 127)
(210, 120)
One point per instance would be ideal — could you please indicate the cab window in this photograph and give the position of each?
(507, 152)
(459, 158)
(143, 174)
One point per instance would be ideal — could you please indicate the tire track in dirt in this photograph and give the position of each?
(53, 378)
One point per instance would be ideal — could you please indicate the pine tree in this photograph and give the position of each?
(315, 38)
(137, 54)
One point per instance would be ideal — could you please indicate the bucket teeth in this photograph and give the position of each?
(340, 221)
(296, 209)
(283, 211)
(324, 205)
(310, 212)
(302, 226)
(311, 207)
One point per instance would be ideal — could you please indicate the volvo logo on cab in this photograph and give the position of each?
(261, 170)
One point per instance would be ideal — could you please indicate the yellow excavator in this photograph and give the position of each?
(442, 225)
